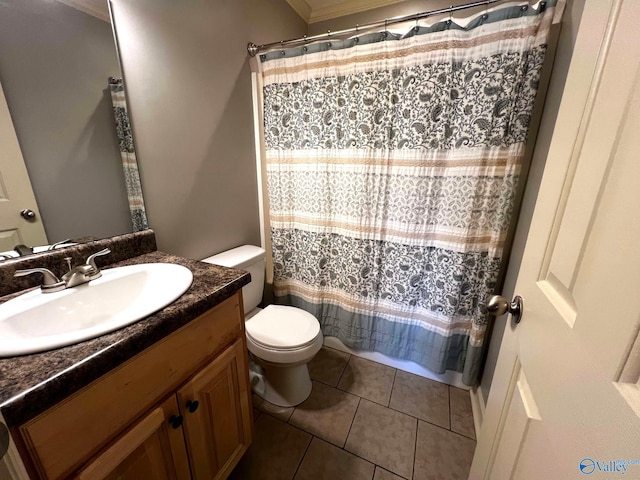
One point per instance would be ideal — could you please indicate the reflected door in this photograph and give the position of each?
(16, 193)
(565, 399)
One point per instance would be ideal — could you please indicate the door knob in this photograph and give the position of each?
(28, 214)
(498, 305)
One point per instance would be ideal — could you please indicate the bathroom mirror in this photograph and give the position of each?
(56, 57)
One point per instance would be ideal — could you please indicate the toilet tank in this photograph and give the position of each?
(252, 259)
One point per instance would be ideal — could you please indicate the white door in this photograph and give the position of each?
(565, 398)
(16, 193)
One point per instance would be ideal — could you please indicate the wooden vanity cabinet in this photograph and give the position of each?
(181, 409)
(152, 448)
(217, 427)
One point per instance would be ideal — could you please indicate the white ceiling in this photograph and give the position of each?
(318, 10)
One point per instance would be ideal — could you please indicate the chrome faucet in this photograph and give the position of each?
(50, 283)
(83, 273)
(74, 277)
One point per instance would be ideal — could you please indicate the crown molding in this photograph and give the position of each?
(302, 8)
(347, 8)
(311, 12)
(93, 8)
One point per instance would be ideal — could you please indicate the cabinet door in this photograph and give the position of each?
(152, 448)
(218, 428)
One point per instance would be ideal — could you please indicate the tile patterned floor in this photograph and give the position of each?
(363, 421)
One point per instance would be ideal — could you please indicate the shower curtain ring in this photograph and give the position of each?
(486, 10)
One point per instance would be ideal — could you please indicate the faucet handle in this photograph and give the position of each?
(50, 283)
(91, 261)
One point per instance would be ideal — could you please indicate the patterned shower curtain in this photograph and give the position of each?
(392, 164)
(128, 155)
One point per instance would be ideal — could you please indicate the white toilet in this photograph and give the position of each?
(281, 339)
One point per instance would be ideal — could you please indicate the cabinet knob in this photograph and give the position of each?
(192, 405)
(175, 421)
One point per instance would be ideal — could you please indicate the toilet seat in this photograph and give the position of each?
(280, 349)
(289, 357)
(282, 334)
(280, 327)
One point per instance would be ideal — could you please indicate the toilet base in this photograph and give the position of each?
(284, 385)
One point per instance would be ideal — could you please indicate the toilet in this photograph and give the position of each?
(281, 339)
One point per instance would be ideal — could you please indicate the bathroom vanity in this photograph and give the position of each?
(166, 397)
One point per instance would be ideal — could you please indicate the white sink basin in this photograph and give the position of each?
(36, 321)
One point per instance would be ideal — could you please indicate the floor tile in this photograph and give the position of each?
(423, 398)
(327, 366)
(441, 454)
(323, 461)
(282, 413)
(382, 474)
(384, 437)
(327, 413)
(275, 453)
(461, 413)
(368, 379)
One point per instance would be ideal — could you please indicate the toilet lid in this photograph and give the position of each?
(282, 327)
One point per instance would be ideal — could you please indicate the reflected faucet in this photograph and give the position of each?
(57, 244)
(74, 277)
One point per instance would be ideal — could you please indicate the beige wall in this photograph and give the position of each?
(189, 86)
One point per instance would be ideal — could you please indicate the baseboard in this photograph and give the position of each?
(450, 378)
(477, 407)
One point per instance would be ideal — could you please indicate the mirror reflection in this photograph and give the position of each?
(55, 64)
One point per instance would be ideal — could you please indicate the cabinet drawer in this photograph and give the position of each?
(68, 434)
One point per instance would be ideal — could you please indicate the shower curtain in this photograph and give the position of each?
(392, 162)
(128, 155)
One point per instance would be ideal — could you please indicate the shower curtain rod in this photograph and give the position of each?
(254, 49)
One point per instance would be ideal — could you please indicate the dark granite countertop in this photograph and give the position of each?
(30, 384)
